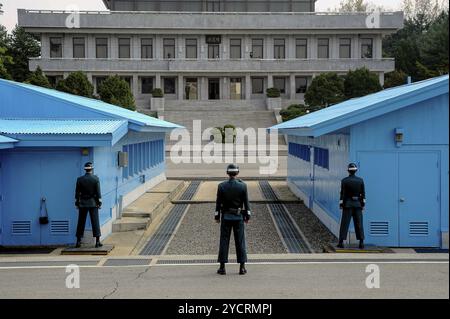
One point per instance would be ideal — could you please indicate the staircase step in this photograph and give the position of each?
(130, 224)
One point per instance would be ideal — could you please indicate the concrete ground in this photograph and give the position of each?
(247, 170)
(329, 276)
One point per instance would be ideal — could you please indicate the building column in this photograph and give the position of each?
(292, 87)
(203, 88)
(225, 88)
(180, 88)
(381, 77)
(158, 81)
(248, 87)
(135, 86)
(270, 81)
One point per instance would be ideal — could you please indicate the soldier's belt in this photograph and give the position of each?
(355, 198)
(232, 211)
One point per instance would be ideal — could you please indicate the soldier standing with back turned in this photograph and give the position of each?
(352, 202)
(233, 206)
(88, 199)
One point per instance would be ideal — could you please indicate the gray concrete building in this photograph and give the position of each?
(202, 50)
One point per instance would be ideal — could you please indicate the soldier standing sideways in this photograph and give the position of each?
(88, 199)
(233, 208)
(353, 200)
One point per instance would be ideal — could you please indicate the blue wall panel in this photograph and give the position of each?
(116, 181)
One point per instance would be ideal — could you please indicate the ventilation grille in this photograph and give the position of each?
(418, 228)
(379, 228)
(21, 227)
(59, 227)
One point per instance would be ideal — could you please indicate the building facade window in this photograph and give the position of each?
(235, 49)
(191, 89)
(146, 85)
(367, 48)
(301, 48)
(79, 48)
(323, 48)
(101, 48)
(147, 48)
(98, 81)
(257, 85)
(191, 48)
(169, 48)
(169, 85)
(279, 49)
(54, 79)
(236, 88)
(345, 48)
(56, 47)
(301, 84)
(280, 84)
(142, 156)
(213, 51)
(257, 49)
(321, 157)
(124, 48)
(300, 150)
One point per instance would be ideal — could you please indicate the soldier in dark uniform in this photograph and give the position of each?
(353, 200)
(88, 199)
(233, 208)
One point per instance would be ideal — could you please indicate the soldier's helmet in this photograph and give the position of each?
(88, 166)
(232, 169)
(352, 167)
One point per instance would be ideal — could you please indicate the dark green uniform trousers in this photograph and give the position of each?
(239, 239)
(347, 214)
(93, 213)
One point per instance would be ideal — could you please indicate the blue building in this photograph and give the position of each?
(46, 136)
(399, 139)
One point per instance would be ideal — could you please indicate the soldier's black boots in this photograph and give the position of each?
(340, 244)
(221, 270)
(98, 243)
(361, 244)
(242, 270)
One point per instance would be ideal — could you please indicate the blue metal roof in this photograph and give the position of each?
(101, 107)
(5, 139)
(39, 126)
(356, 110)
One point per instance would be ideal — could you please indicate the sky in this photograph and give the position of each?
(9, 16)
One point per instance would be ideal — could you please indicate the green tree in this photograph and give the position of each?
(22, 47)
(116, 90)
(325, 89)
(38, 78)
(434, 45)
(395, 78)
(76, 83)
(5, 58)
(361, 82)
(295, 110)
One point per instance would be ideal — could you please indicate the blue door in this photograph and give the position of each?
(20, 199)
(379, 170)
(26, 178)
(419, 208)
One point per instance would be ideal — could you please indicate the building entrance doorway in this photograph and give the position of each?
(213, 89)
(236, 88)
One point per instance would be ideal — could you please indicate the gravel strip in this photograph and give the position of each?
(198, 233)
(315, 232)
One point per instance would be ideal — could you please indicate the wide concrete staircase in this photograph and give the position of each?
(143, 211)
(242, 114)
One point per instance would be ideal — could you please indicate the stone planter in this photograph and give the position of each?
(157, 104)
(273, 103)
